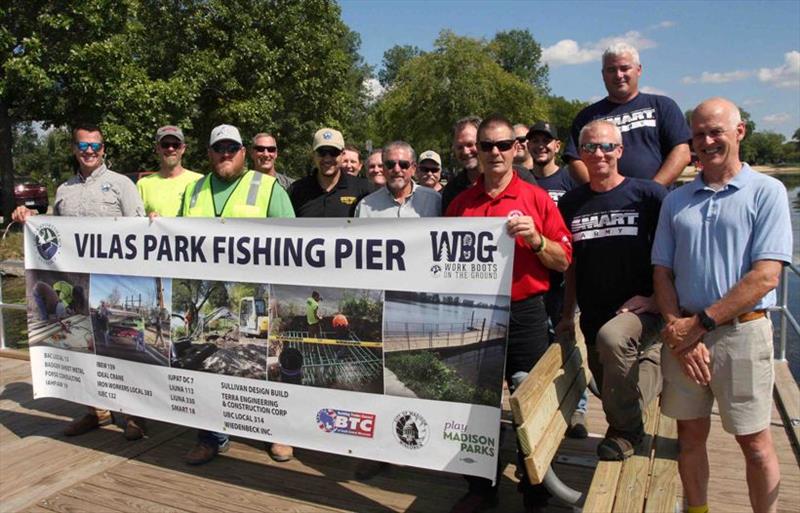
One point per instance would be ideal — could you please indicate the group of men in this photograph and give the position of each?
(672, 287)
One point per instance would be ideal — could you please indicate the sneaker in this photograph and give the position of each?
(472, 502)
(367, 469)
(619, 445)
(204, 452)
(87, 423)
(134, 429)
(280, 452)
(577, 426)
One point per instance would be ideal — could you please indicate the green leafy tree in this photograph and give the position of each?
(517, 52)
(765, 148)
(393, 59)
(562, 113)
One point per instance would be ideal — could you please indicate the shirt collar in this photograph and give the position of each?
(511, 190)
(96, 174)
(414, 186)
(742, 178)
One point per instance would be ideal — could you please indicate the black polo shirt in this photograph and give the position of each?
(460, 183)
(311, 200)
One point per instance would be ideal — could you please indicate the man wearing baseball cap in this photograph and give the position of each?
(429, 170)
(327, 192)
(162, 192)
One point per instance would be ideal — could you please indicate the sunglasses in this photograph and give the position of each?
(223, 147)
(604, 147)
(328, 152)
(83, 146)
(426, 169)
(268, 149)
(504, 145)
(389, 164)
(170, 145)
(522, 139)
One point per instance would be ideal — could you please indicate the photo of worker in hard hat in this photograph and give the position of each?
(326, 337)
(58, 310)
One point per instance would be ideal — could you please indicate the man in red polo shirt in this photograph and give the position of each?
(542, 243)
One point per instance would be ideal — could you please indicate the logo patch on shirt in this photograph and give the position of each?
(105, 187)
(348, 200)
(514, 213)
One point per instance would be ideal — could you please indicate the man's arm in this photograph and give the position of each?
(672, 167)
(578, 171)
(551, 254)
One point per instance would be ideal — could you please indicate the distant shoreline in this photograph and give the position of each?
(691, 171)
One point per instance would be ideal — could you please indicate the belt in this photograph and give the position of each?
(745, 317)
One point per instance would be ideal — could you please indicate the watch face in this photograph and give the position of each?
(707, 322)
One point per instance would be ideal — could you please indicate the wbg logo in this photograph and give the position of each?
(463, 246)
(346, 422)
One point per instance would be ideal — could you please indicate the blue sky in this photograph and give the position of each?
(746, 51)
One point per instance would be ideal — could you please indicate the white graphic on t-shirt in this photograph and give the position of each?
(635, 119)
(613, 223)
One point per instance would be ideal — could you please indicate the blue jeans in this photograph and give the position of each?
(211, 438)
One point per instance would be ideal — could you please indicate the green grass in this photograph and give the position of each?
(11, 246)
(15, 322)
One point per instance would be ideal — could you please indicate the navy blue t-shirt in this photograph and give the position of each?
(557, 184)
(612, 233)
(651, 126)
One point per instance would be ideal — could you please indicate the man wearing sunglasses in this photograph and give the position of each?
(523, 157)
(654, 129)
(231, 190)
(429, 171)
(95, 191)
(613, 221)
(542, 244)
(163, 192)
(327, 192)
(400, 197)
(264, 153)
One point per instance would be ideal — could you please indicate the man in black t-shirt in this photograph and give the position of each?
(613, 221)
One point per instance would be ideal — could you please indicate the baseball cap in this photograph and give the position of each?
(224, 133)
(431, 155)
(169, 130)
(328, 137)
(545, 128)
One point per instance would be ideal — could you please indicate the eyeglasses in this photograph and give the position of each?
(169, 145)
(83, 146)
(268, 149)
(714, 133)
(604, 147)
(426, 169)
(389, 164)
(225, 147)
(504, 145)
(522, 139)
(328, 152)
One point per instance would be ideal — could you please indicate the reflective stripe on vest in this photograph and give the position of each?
(245, 201)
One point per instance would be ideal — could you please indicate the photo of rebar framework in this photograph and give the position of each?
(326, 337)
(58, 310)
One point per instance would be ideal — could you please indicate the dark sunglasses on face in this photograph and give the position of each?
(425, 169)
(522, 139)
(170, 144)
(328, 152)
(389, 164)
(268, 149)
(83, 146)
(604, 147)
(504, 145)
(223, 147)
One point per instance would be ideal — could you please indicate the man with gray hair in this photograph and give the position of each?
(401, 196)
(654, 130)
(264, 153)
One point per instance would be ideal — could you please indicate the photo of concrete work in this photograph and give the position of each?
(327, 337)
(131, 317)
(445, 347)
(58, 310)
(220, 327)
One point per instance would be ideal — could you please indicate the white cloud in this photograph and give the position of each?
(653, 90)
(708, 77)
(787, 75)
(752, 101)
(568, 51)
(776, 119)
(663, 25)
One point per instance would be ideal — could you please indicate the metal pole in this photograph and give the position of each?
(784, 311)
(2, 325)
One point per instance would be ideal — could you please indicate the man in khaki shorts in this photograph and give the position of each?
(719, 248)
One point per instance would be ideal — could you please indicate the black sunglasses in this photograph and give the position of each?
(328, 152)
(389, 164)
(268, 149)
(604, 147)
(223, 147)
(167, 144)
(428, 169)
(522, 139)
(504, 145)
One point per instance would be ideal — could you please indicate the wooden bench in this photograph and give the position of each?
(542, 407)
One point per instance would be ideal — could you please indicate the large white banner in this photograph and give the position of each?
(380, 339)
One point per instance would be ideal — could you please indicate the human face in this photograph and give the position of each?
(327, 164)
(716, 137)
(497, 162)
(429, 173)
(621, 77)
(398, 180)
(89, 159)
(522, 154)
(599, 164)
(171, 156)
(465, 147)
(543, 148)
(375, 170)
(351, 162)
(228, 166)
(263, 155)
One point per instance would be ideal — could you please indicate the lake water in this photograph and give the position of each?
(792, 183)
(402, 316)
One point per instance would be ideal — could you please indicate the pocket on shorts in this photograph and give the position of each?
(751, 363)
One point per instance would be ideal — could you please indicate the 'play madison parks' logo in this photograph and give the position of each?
(463, 255)
(48, 242)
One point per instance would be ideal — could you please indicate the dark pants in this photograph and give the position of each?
(527, 343)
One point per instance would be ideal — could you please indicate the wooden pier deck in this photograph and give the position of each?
(41, 471)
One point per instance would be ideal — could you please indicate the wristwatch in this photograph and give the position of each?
(707, 322)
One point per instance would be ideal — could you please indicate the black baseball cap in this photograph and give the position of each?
(543, 127)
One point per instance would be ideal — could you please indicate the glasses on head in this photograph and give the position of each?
(167, 145)
(427, 169)
(84, 146)
(714, 133)
(604, 147)
(328, 152)
(268, 149)
(522, 139)
(389, 164)
(225, 147)
(504, 145)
